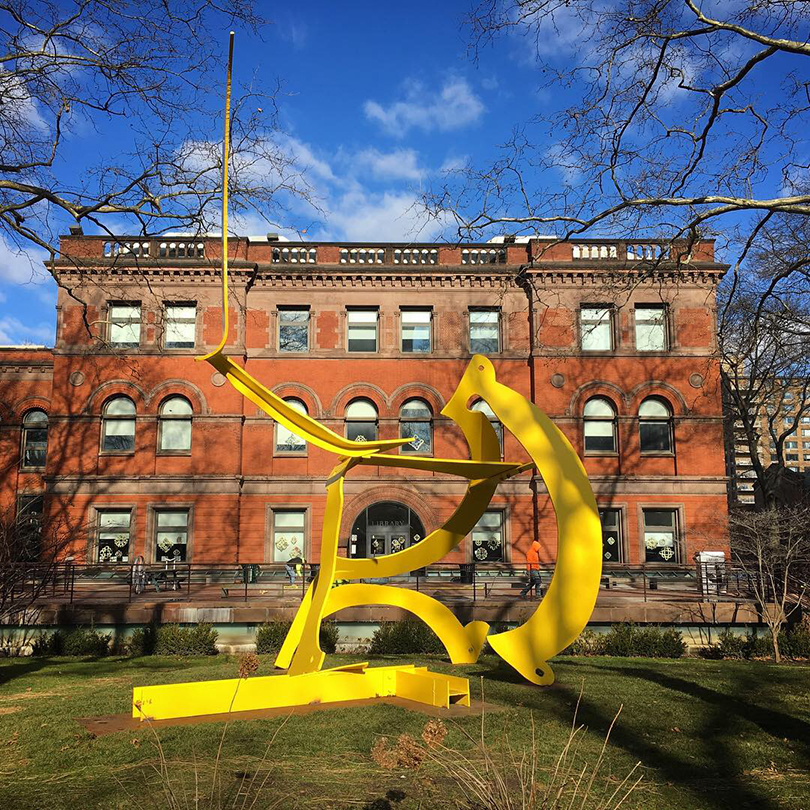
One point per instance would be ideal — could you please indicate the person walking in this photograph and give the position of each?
(533, 569)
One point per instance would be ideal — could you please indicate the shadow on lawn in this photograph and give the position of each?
(721, 715)
(97, 666)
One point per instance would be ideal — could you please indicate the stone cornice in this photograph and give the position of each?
(339, 275)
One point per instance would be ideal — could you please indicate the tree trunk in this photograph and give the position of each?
(777, 656)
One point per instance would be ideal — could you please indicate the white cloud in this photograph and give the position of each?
(20, 266)
(388, 216)
(401, 164)
(18, 103)
(14, 332)
(456, 105)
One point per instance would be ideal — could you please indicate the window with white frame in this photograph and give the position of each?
(362, 328)
(125, 325)
(600, 426)
(655, 426)
(289, 538)
(416, 424)
(181, 326)
(361, 421)
(113, 535)
(661, 536)
(293, 329)
(34, 439)
(416, 330)
(651, 327)
(171, 535)
(174, 425)
(483, 407)
(596, 328)
(611, 520)
(286, 440)
(485, 331)
(118, 425)
(488, 542)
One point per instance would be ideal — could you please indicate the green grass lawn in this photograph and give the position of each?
(709, 734)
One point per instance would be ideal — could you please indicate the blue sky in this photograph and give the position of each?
(380, 99)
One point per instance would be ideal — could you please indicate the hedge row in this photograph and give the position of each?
(630, 641)
(164, 639)
(794, 644)
(270, 636)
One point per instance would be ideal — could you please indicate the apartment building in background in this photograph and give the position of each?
(146, 452)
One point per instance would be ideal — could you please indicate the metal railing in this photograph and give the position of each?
(84, 582)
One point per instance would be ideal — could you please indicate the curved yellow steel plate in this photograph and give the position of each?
(570, 599)
(462, 642)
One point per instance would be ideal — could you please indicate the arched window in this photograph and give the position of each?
(655, 426)
(483, 408)
(35, 439)
(361, 421)
(174, 428)
(416, 423)
(118, 426)
(286, 440)
(600, 426)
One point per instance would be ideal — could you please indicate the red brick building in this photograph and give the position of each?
(147, 452)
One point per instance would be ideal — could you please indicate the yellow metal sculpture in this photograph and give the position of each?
(558, 620)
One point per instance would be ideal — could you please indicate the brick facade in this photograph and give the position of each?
(233, 481)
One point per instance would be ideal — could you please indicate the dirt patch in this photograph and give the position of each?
(29, 695)
(9, 709)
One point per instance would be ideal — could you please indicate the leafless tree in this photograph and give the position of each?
(79, 75)
(683, 119)
(764, 340)
(773, 547)
(32, 551)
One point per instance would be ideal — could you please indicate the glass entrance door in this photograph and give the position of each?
(384, 528)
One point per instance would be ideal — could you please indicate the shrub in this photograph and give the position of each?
(404, 638)
(629, 641)
(75, 642)
(174, 639)
(270, 636)
(794, 643)
(587, 643)
(142, 640)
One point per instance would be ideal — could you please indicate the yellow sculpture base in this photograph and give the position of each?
(353, 682)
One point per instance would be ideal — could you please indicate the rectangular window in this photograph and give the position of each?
(611, 535)
(661, 536)
(487, 538)
(416, 330)
(362, 330)
(288, 534)
(485, 331)
(651, 328)
(171, 535)
(596, 329)
(293, 329)
(791, 445)
(114, 535)
(181, 326)
(125, 324)
(28, 528)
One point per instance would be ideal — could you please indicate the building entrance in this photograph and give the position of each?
(384, 528)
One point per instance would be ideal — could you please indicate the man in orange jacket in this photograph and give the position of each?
(533, 567)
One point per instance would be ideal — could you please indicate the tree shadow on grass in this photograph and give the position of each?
(716, 777)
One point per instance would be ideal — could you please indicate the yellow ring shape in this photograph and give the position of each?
(571, 597)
